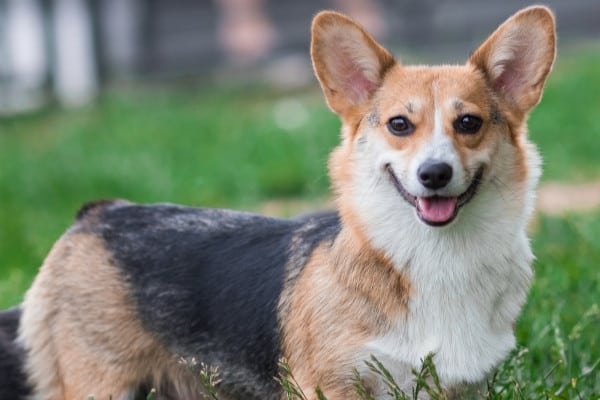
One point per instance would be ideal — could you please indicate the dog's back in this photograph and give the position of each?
(13, 384)
(134, 293)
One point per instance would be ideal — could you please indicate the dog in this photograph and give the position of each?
(426, 251)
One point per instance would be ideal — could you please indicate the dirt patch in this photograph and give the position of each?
(555, 198)
(293, 207)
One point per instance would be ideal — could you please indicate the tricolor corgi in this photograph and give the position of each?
(427, 251)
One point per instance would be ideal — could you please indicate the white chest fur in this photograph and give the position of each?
(466, 293)
(463, 312)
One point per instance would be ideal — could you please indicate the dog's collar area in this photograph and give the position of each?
(437, 210)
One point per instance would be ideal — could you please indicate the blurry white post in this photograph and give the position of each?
(120, 27)
(25, 62)
(75, 79)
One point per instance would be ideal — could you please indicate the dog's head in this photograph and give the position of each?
(423, 143)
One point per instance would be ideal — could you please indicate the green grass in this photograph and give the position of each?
(560, 323)
(566, 124)
(237, 148)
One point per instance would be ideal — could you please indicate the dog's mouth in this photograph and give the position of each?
(437, 210)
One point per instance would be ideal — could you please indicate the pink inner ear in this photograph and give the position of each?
(510, 80)
(516, 72)
(351, 77)
(358, 86)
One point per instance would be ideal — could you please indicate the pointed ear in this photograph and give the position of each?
(518, 56)
(348, 62)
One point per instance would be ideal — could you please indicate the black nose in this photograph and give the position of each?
(434, 174)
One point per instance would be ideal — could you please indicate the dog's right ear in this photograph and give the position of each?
(348, 62)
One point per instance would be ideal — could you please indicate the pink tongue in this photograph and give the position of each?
(437, 209)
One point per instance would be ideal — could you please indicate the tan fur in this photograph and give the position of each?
(342, 283)
(81, 332)
(340, 168)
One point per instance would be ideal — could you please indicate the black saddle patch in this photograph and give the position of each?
(207, 282)
(13, 382)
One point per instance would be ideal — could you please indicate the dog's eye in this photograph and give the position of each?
(400, 126)
(468, 124)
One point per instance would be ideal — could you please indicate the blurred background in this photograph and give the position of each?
(70, 50)
(213, 103)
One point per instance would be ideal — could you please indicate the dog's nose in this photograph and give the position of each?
(434, 174)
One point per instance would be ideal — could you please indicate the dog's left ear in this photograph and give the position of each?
(348, 62)
(518, 56)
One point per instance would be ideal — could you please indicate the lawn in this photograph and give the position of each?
(241, 147)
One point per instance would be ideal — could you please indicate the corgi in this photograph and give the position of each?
(426, 252)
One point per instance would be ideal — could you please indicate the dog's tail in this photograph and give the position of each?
(13, 381)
